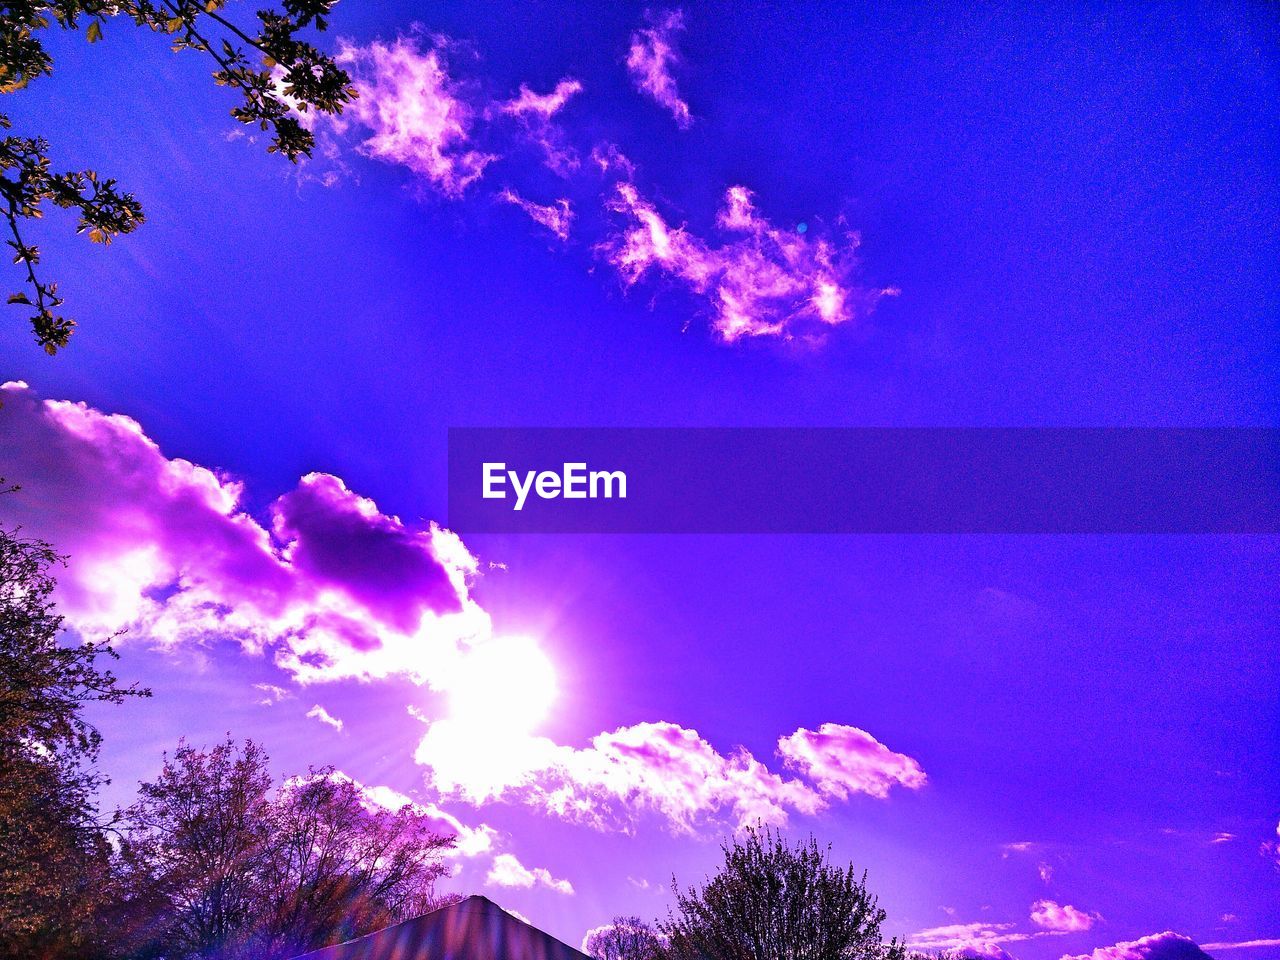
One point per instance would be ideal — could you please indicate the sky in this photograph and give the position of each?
(548, 214)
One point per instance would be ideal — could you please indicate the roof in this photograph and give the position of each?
(472, 929)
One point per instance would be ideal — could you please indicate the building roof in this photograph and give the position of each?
(472, 929)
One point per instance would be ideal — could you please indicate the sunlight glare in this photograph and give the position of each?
(505, 685)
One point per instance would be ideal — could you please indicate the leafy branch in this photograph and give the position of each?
(280, 77)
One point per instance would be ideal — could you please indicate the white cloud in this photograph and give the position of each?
(658, 768)
(271, 694)
(508, 871)
(321, 714)
(1063, 918)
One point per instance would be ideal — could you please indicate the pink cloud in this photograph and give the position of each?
(1064, 918)
(609, 159)
(652, 56)
(330, 586)
(534, 112)
(658, 768)
(543, 105)
(507, 871)
(556, 217)
(414, 112)
(762, 281)
(1157, 946)
(842, 760)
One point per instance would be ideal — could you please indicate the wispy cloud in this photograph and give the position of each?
(556, 217)
(760, 281)
(508, 871)
(754, 279)
(1271, 848)
(322, 715)
(652, 56)
(412, 112)
(271, 694)
(534, 111)
(1243, 944)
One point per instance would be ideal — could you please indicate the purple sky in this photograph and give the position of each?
(555, 215)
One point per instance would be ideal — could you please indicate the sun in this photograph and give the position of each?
(505, 685)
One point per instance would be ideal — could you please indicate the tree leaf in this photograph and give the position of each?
(94, 33)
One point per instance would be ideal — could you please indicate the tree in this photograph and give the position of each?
(340, 866)
(626, 938)
(278, 76)
(218, 864)
(771, 901)
(54, 857)
(189, 858)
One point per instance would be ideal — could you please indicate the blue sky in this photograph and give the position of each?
(1077, 204)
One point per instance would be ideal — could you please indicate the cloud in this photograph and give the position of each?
(609, 159)
(1242, 945)
(1022, 846)
(842, 760)
(652, 55)
(324, 716)
(1157, 946)
(756, 280)
(657, 768)
(469, 841)
(983, 940)
(329, 586)
(413, 111)
(1064, 918)
(987, 950)
(969, 939)
(534, 112)
(762, 281)
(507, 871)
(271, 694)
(1271, 848)
(556, 217)
(541, 106)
